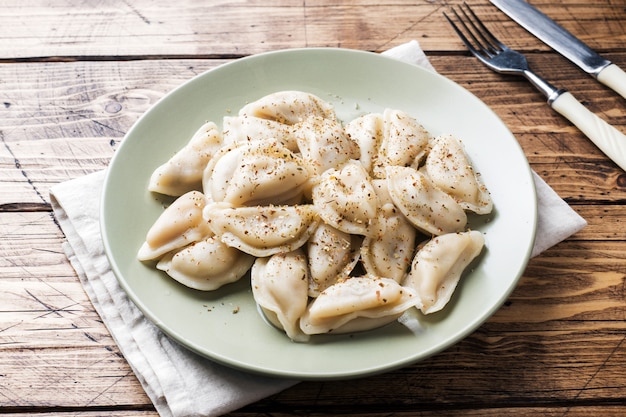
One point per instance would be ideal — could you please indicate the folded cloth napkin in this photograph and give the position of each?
(179, 382)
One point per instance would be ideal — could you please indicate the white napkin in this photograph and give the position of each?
(179, 382)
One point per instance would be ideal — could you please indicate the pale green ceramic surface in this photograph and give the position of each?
(356, 82)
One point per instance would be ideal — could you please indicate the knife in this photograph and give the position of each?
(565, 43)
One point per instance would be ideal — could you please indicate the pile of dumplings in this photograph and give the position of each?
(343, 227)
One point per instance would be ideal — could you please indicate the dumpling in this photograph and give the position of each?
(183, 172)
(438, 266)
(179, 225)
(367, 132)
(279, 287)
(258, 173)
(388, 252)
(332, 255)
(262, 230)
(427, 207)
(404, 143)
(323, 144)
(206, 265)
(450, 169)
(288, 107)
(356, 304)
(346, 198)
(382, 191)
(237, 129)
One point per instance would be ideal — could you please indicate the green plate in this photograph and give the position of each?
(225, 325)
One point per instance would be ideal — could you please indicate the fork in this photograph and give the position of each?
(502, 59)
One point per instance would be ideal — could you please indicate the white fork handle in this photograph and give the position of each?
(615, 78)
(610, 140)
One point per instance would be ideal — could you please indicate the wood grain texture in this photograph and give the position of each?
(569, 349)
(118, 28)
(73, 125)
(74, 77)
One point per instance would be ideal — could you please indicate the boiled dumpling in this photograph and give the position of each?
(346, 198)
(332, 255)
(279, 287)
(449, 168)
(389, 251)
(382, 191)
(288, 107)
(183, 172)
(438, 265)
(179, 225)
(237, 129)
(404, 142)
(356, 304)
(323, 144)
(258, 173)
(206, 265)
(427, 207)
(367, 132)
(262, 230)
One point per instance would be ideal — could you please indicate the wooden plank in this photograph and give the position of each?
(264, 408)
(51, 338)
(425, 411)
(64, 120)
(87, 412)
(514, 369)
(30, 248)
(117, 28)
(73, 125)
(67, 377)
(572, 366)
(560, 334)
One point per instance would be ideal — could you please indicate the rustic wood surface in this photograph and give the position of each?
(75, 75)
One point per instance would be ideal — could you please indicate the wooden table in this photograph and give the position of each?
(74, 77)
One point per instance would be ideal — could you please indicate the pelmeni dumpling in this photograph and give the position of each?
(382, 191)
(206, 265)
(346, 198)
(237, 129)
(323, 144)
(404, 142)
(288, 107)
(450, 169)
(332, 255)
(356, 304)
(257, 173)
(389, 251)
(328, 213)
(279, 287)
(183, 172)
(427, 207)
(367, 132)
(262, 230)
(438, 265)
(179, 225)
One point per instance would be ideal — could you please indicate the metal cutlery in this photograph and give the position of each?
(562, 41)
(500, 58)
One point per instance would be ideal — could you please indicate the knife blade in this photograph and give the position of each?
(562, 41)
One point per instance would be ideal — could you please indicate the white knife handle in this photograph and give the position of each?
(613, 77)
(610, 140)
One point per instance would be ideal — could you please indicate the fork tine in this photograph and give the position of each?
(483, 39)
(483, 32)
(460, 33)
(475, 33)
